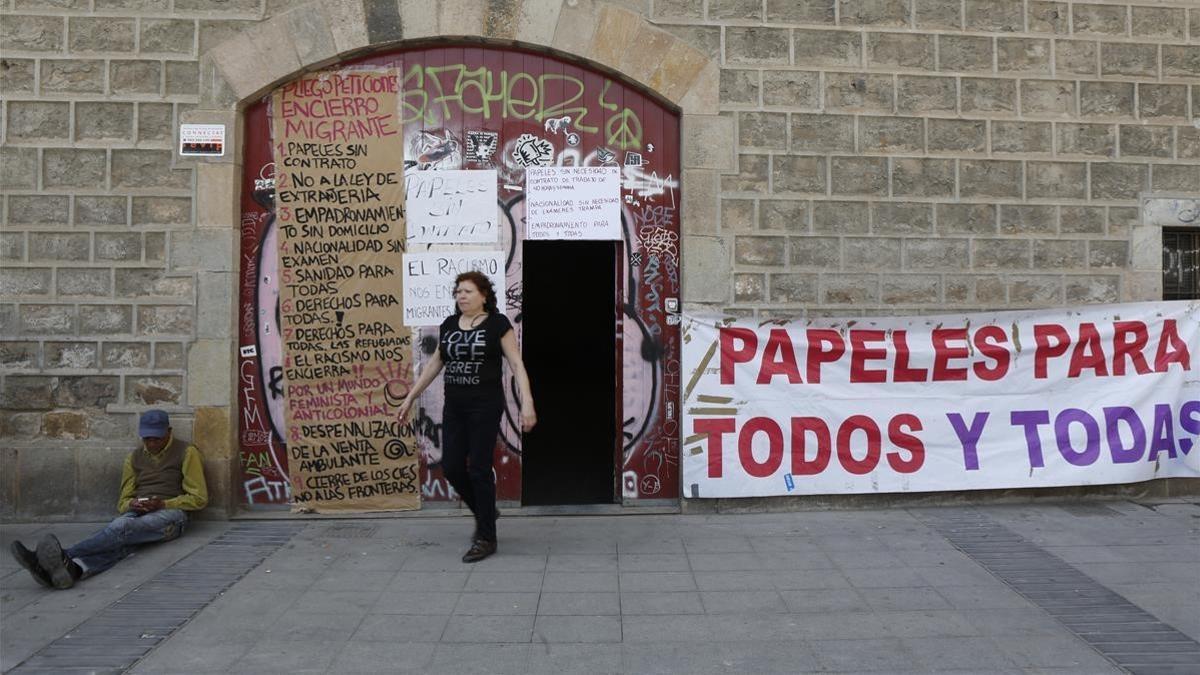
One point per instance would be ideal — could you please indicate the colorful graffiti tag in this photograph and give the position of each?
(504, 109)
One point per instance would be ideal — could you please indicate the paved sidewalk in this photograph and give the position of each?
(846, 591)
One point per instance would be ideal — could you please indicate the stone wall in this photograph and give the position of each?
(869, 157)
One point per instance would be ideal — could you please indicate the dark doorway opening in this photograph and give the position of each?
(569, 347)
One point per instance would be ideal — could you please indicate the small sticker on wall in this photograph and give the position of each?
(249, 351)
(202, 140)
(671, 304)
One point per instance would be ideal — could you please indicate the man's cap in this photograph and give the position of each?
(154, 424)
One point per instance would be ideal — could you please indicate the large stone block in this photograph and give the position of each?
(859, 92)
(790, 89)
(875, 12)
(754, 175)
(1048, 17)
(943, 14)
(1081, 220)
(154, 391)
(1187, 141)
(72, 168)
(77, 282)
(859, 176)
(27, 33)
(17, 76)
(827, 48)
(989, 178)
(783, 215)
(147, 169)
(99, 474)
(927, 95)
(1039, 289)
(214, 305)
(1001, 253)
(762, 130)
(155, 122)
(1098, 19)
(798, 174)
(1174, 177)
(93, 210)
(47, 478)
(1056, 180)
(1023, 56)
(965, 53)
(72, 355)
(907, 51)
(59, 246)
(162, 210)
(889, 134)
(1074, 57)
(537, 21)
(182, 78)
(1048, 98)
(1093, 289)
(871, 253)
(737, 215)
(966, 218)
(98, 121)
(678, 74)
(19, 355)
(749, 287)
(207, 250)
(1168, 23)
(1181, 61)
(169, 356)
(1162, 100)
(105, 319)
(841, 217)
(1122, 58)
(27, 392)
(988, 95)
(23, 281)
(755, 45)
(1059, 254)
(916, 177)
(936, 254)
(125, 355)
(38, 120)
(800, 11)
(119, 246)
(39, 210)
(101, 34)
(849, 289)
(135, 77)
(1027, 219)
(1108, 254)
(12, 246)
(707, 272)
(169, 36)
(760, 250)
(165, 320)
(708, 142)
(816, 253)
(911, 289)
(1022, 137)
(72, 76)
(1146, 141)
(742, 87)
(1118, 180)
(18, 168)
(1000, 16)
(86, 391)
(212, 432)
(1087, 139)
(822, 133)
(133, 283)
(794, 288)
(901, 218)
(699, 190)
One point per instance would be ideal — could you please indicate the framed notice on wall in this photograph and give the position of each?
(573, 202)
(452, 207)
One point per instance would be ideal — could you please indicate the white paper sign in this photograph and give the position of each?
(573, 202)
(447, 207)
(204, 140)
(429, 282)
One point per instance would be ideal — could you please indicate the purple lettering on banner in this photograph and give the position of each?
(1163, 435)
(1190, 424)
(969, 437)
(1112, 419)
(1031, 420)
(1062, 431)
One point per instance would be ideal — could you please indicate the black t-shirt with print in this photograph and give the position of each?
(472, 357)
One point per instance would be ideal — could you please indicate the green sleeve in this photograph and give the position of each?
(195, 490)
(128, 485)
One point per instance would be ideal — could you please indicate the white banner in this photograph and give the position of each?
(452, 207)
(429, 282)
(1088, 396)
(573, 202)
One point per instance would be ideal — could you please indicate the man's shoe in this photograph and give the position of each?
(28, 559)
(479, 550)
(52, 559)
(475, 535)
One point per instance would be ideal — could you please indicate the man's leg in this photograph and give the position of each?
(116, 541)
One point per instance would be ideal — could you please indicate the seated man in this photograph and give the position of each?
(160, 482)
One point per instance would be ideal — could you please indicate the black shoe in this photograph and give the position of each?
(475, 534)
(479, 550)
(28, 559)
(52, 559)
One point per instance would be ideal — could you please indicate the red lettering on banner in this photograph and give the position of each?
(901, 439)
(903, 372)
(1129, 339)
(774, 442)
(1043, 334)
(801, 466)
(817, 355)
(987, 342)
(846, 431)
(779, 358)
(943, 352)
(730, 355)
(715, 428)
(1088, 353)
(860, 353)
(1178, 352)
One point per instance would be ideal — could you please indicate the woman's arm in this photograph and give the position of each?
(509, 344)
(430, 371)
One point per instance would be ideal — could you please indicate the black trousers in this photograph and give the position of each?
(470, 425)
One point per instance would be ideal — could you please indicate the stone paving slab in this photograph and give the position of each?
(848, 591)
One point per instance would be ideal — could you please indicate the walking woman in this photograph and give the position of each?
(470, 343)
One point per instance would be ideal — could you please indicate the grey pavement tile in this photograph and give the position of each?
(177, 655)
(429, 581)
(879, 577)
(653, 602)
(717, 544)
(581, 562)
(489, 629)
(725, 561)
(1123, 573)
(384, 657)
(668, 628)
(497, 604)
(581, 604)
(644, 658)
(296, 626)
(575, 629)
(741, 581)
(25, 632)
(653, 562)
(400, 628)
(635, 544)
(335, 602)
(850, 543)
(961, 574)
(267, 577)
(964, 653)
(1037, 651)
(338, 579)
(580, 582)
(932, 623)
(838, 625)
(512, 562)
(791, 561)
(504, 582)
(574, 659)
(742, 602)
(782, 657)
(824, 600)
(866, 655)
(903, 599)
(427, 561)
(581, 546)
(373, 561)
(484, 659)
(287, 656)
(656, 581)
(415, 602)
(866, 558)
(787, 542)
(978, 597)
(797, 580)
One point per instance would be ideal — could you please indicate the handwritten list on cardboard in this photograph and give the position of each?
(347, 354)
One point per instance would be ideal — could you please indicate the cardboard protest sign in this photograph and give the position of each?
(347, 355)
(429, 282)
(1094, 396)
(452, 207)
(572, 202)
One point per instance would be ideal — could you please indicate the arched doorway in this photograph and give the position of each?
(473, 107)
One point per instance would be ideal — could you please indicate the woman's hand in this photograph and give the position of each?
(404, 411)
(528, 418)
